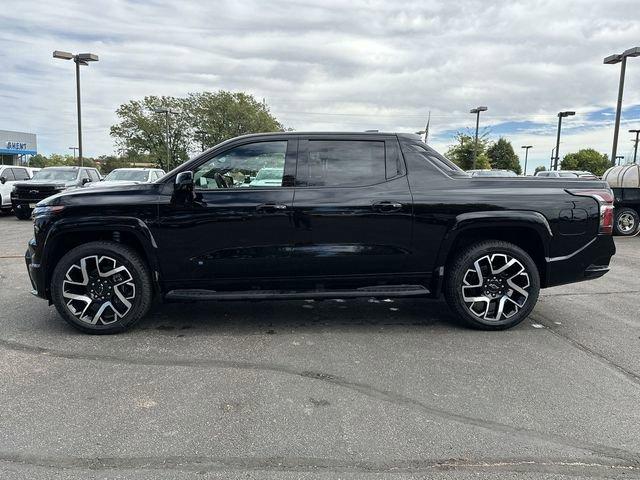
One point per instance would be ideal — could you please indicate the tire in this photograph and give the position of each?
(518, 284)
(101, 287)
(627, 222)
(22, 213)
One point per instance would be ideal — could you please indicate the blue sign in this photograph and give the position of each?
(16, 146)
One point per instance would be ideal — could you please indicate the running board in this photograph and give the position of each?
(377, 291)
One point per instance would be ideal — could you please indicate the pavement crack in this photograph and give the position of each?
(315, 464)
(630, 375)
(590, 294)
(362, 388)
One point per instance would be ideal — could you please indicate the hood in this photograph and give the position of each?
(43, 183)
(100, 195)
(111, 183)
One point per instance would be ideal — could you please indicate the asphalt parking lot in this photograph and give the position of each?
(325, 389)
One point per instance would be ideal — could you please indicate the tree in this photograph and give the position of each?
(218, 116)
(586, 159)
(142, 131)
(462, 152)
(540, 168)
(502, 156)
(57, 160)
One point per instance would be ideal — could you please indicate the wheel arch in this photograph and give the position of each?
(528, 230)
(128, 231)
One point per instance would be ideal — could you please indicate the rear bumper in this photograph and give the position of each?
(36, 272)
(589, 262)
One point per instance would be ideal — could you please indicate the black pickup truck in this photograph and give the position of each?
(47, 182)
(318, 215)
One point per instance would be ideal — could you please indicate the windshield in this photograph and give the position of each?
(51, 174)
(127, 176)
(269, 174)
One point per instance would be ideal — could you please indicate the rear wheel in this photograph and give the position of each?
(492, 285)
(627, 222)
(101, 287)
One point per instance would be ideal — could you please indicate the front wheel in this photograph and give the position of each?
(101, 287)
(22, 213)
(492, 285)
(627, 222)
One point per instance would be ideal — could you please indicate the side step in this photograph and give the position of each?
(374, 291)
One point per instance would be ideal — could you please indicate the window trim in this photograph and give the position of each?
(303, 158)
(290, 156)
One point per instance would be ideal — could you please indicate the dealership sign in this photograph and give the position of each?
(16, 146)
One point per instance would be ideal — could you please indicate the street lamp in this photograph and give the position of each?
(74, 151)
(79, 59)
(618, 157)
(477, 111)
(612, 60)
(526, 156)
(560, 117)
(167, 112)
(635, 148)
(201, 134)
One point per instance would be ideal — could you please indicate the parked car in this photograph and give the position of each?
(129, 176)
(492, 173)
(625, 183)
(47, 182)
(9, 175)
(567, 174)
(354, 215)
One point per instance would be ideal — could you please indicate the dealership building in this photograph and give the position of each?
(17, 147)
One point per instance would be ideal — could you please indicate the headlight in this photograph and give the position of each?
(47, 210)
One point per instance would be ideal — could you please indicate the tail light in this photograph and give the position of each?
(605, 200)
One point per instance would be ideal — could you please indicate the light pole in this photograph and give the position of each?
(74, 151)
(79, 59)
(551, 164)
(477, 111)
(635, 148)
(560, 116)
(526, 156)
(612, 60)
(618, 157)
(167, 112)
(201, 134)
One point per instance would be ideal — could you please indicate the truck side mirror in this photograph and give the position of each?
(85, 181)
(3, 180)
(184, 181)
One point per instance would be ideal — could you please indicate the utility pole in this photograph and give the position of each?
(167, 112)
(635, 148)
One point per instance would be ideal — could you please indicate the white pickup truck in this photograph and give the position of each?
(624, 180)
(9, 175)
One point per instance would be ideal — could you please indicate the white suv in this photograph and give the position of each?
(9, 175)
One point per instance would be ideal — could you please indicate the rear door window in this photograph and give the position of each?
(341, 163)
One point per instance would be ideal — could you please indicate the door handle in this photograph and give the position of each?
(387, 206)
(271, 207)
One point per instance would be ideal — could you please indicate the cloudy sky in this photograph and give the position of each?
(330, 65)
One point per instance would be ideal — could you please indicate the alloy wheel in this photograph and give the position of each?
(496, 288)
(98, 290)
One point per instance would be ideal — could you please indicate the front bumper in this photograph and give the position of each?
(36, 272)
(587, 263)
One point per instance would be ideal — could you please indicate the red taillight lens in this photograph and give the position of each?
(605, 199)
